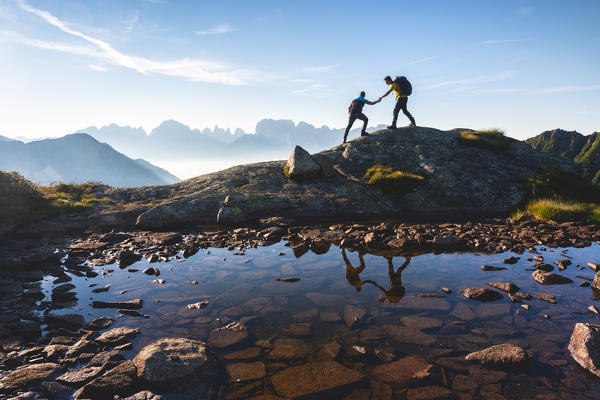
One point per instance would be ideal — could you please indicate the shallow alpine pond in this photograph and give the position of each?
(359, 325)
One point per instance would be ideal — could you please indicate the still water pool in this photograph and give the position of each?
(363, 311)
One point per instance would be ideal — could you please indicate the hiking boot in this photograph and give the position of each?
(392, 127)
(364, 133)
(412, 125)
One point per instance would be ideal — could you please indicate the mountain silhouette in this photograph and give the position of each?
(78, 158)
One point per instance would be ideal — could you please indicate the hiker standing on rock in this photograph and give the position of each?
(355, 111)
(403, 89)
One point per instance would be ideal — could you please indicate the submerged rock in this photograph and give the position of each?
(313, 378)
(117, 336)
(481, 294)
(29, 377)
(174, 363)
(584, 346)
(407, 370)
(130, 305)
(229, 335)
(120, 380)
(503, 355)
(548, 278)
(504, 286)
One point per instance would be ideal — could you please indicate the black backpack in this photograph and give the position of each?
(404, 85)
(356, 107)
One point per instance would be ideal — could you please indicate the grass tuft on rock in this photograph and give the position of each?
(492, 139)
(23, 201)
(564, 210)
(286, 170)
(392, 181)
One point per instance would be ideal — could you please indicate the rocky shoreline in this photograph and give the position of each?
(49, 355)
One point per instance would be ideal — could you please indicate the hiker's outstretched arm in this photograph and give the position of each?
(386, 93)
(373, 102)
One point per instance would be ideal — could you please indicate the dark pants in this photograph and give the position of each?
(401, 105)
(354, 117)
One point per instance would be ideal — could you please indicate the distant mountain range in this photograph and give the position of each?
(172, 139)
(78, 158)
(583, 150)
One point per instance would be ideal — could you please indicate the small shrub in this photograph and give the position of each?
(560, 210)
(392, 181)
(492, 139)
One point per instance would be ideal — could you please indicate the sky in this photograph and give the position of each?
(521, 66)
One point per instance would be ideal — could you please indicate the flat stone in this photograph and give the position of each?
(246, 371)
(117, 336)
(313, 378)
(120, 380)
(330, 301)
(504, 286)
(548, 278)
(67, 321)
(143, 395)
(229, 335)
(246, 354)
(79, 377)
(405, 334)
(492, 310)
(130, 305)
(544, 267)
(504, 355)
(481, 294)
(99, 324)
(29, 377)
(289, 349)
(584, 347)
(330, 316)
(329, 351)
(463, 312)
(421, 322)
(491, 268)
(407, 370)
(107, 359)
(546, 297)
(174, 362)
(353, 315)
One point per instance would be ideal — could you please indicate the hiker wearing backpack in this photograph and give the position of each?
(355, 111)
(403, 89)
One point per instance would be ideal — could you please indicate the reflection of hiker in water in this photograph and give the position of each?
(352, 273)
(395, 292)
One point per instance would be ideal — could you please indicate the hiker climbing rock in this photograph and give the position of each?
(353, 273)
(396, 291)
(355, 111)
(403, 89)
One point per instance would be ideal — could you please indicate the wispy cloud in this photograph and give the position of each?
(469, 81)
(130, 22)
(499, 41)
(97, 68)
(217, 30)
(318, 68)
(312, 89)
(568, 89)
(191, 69)
(422, 60)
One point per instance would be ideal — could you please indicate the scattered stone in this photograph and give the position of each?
(446, 290)
(491, 268)
(151, 271)
(159, 281)
(463, 312)
(406, 371)
(127, 257)
(287, 279)
(584, 346)
(329, 351)
(544, 267)
(198, 306)
(511, 260)
(229, 335)
(130, 305)
(246, 354)
(481, 294)
(246, 371)
(353, 315)
(596, 281)
(79, 377)
(120, 380)
(548, 278)
(546, 297)
(107, 359)
(289, 349)
(170, 363)
(66, 321)
(131, 313)
(525, 306)
(191, 282)
(594, 267)
(504, 286)
(313, 378)
(29, 377)
(102, 289)
(503, 355)
(117, 336)
(144, 395)
(585, 284)
(430, 393)
(563, 264)
(329, 316)
(593, 309)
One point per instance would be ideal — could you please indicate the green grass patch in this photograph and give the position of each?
(23, 201)
(286, 170)
(558, 184)
(564, 210)
(492, 139)
(392, 181)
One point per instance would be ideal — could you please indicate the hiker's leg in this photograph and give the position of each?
(365, 120)
(405, 110)
(396, 110)
(350, 123)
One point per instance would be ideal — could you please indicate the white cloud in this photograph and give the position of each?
(217, 30)
(97, 68)
(319, 68)
(422, 60)
(191, 69)
(568, 89)
(479, 79)
(312, 89)
(500, 41)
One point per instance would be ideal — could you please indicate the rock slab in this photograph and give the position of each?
(501, 355)
(584, 346)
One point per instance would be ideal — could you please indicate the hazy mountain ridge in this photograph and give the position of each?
(583, 150)
(79, 158)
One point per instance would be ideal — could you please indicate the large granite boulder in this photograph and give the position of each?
(174, 363)
(301, 165)
(585, 346)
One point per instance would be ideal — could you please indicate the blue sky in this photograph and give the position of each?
(522, 66)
